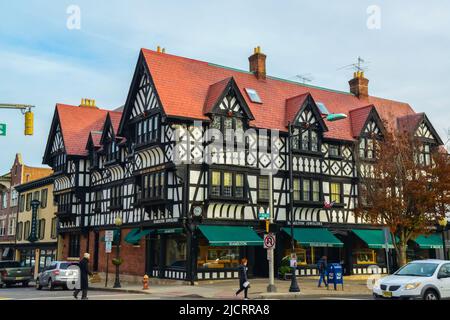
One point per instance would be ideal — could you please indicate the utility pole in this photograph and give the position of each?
(29, 117)
(271, 287)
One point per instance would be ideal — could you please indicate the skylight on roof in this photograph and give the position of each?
(253, 95)
(323, 109)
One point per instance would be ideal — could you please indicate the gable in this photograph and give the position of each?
(309, 113)
(424, 132)
(224, 97)
(58, 143)
(372, 129)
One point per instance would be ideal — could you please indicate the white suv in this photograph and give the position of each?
(424, 279)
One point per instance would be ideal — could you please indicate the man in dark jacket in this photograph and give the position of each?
(322, 267)
(243, 279)
(84, 277)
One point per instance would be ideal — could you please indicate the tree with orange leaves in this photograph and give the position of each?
(404, 188)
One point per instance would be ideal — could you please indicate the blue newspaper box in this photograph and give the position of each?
(335, 275)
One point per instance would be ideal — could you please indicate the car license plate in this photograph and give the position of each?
(387, 294)
(19, 278)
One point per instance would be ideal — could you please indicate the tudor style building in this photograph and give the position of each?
(190, 198)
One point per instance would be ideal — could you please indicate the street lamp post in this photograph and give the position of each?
(331, 118)
(443, 223)
(118, 223)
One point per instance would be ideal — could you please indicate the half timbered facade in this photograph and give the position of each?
(186, 165)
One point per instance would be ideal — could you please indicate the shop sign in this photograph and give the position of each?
(308, 223)
(168, 220)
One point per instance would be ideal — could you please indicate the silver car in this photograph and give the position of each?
(59, 274)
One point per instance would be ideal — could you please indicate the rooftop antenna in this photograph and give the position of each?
(304, 78)
(359, 66)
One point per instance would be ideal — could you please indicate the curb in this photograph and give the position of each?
(119, 290)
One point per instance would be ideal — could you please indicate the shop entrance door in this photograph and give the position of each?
(261, 264)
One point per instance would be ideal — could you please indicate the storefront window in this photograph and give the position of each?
(28, 258)
(365, 256)
(46, 257)
(217, 257)
(176, 251)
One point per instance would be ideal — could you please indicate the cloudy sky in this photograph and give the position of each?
(42, 61)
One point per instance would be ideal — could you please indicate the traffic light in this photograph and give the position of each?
(29, 123)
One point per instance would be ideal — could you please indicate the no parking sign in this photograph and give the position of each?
(269, 241)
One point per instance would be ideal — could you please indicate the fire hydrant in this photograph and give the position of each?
(145, 282)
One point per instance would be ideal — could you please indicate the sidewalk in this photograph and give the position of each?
(225, 289)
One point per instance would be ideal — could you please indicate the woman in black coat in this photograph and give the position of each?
(243, 279)
(84, 277)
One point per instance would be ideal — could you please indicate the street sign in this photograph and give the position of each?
(108, 247)
(269, 241)
(264, 215)
(3, 129)
(109, 235)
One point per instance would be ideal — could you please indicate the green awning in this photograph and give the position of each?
(373, 238)
(135, 235)
(115, 236)
(433, 241)
(231, 236)
(314, 237)
(170, 231)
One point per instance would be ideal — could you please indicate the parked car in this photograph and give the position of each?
(58, 274)
(12, 272)
(425, 279)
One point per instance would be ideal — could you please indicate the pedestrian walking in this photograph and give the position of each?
(322, 267)
(83, 277)
(244, 284)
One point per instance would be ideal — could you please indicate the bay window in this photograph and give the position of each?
(306, 189)
(147, 130)
(227, 184)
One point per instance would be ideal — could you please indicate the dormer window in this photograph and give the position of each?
(367, 148)
(309, 140)
(232, 128)
(112, 151)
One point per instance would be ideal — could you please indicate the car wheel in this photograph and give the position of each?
(430, 295)
(50, 285)
(38, 284)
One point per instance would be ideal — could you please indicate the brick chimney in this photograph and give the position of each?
(359, 85)
(258, 63)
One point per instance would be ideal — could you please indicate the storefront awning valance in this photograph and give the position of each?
(135, 235)
(315, 237)
(231, 236)
(433, 241)
(373, 238)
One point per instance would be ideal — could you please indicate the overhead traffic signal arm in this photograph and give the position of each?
(29, 117)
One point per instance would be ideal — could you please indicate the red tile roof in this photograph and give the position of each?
(293, 105)
(184, 85)
(76, 125)
(410, 122)
(214, 93)
(358, 118)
